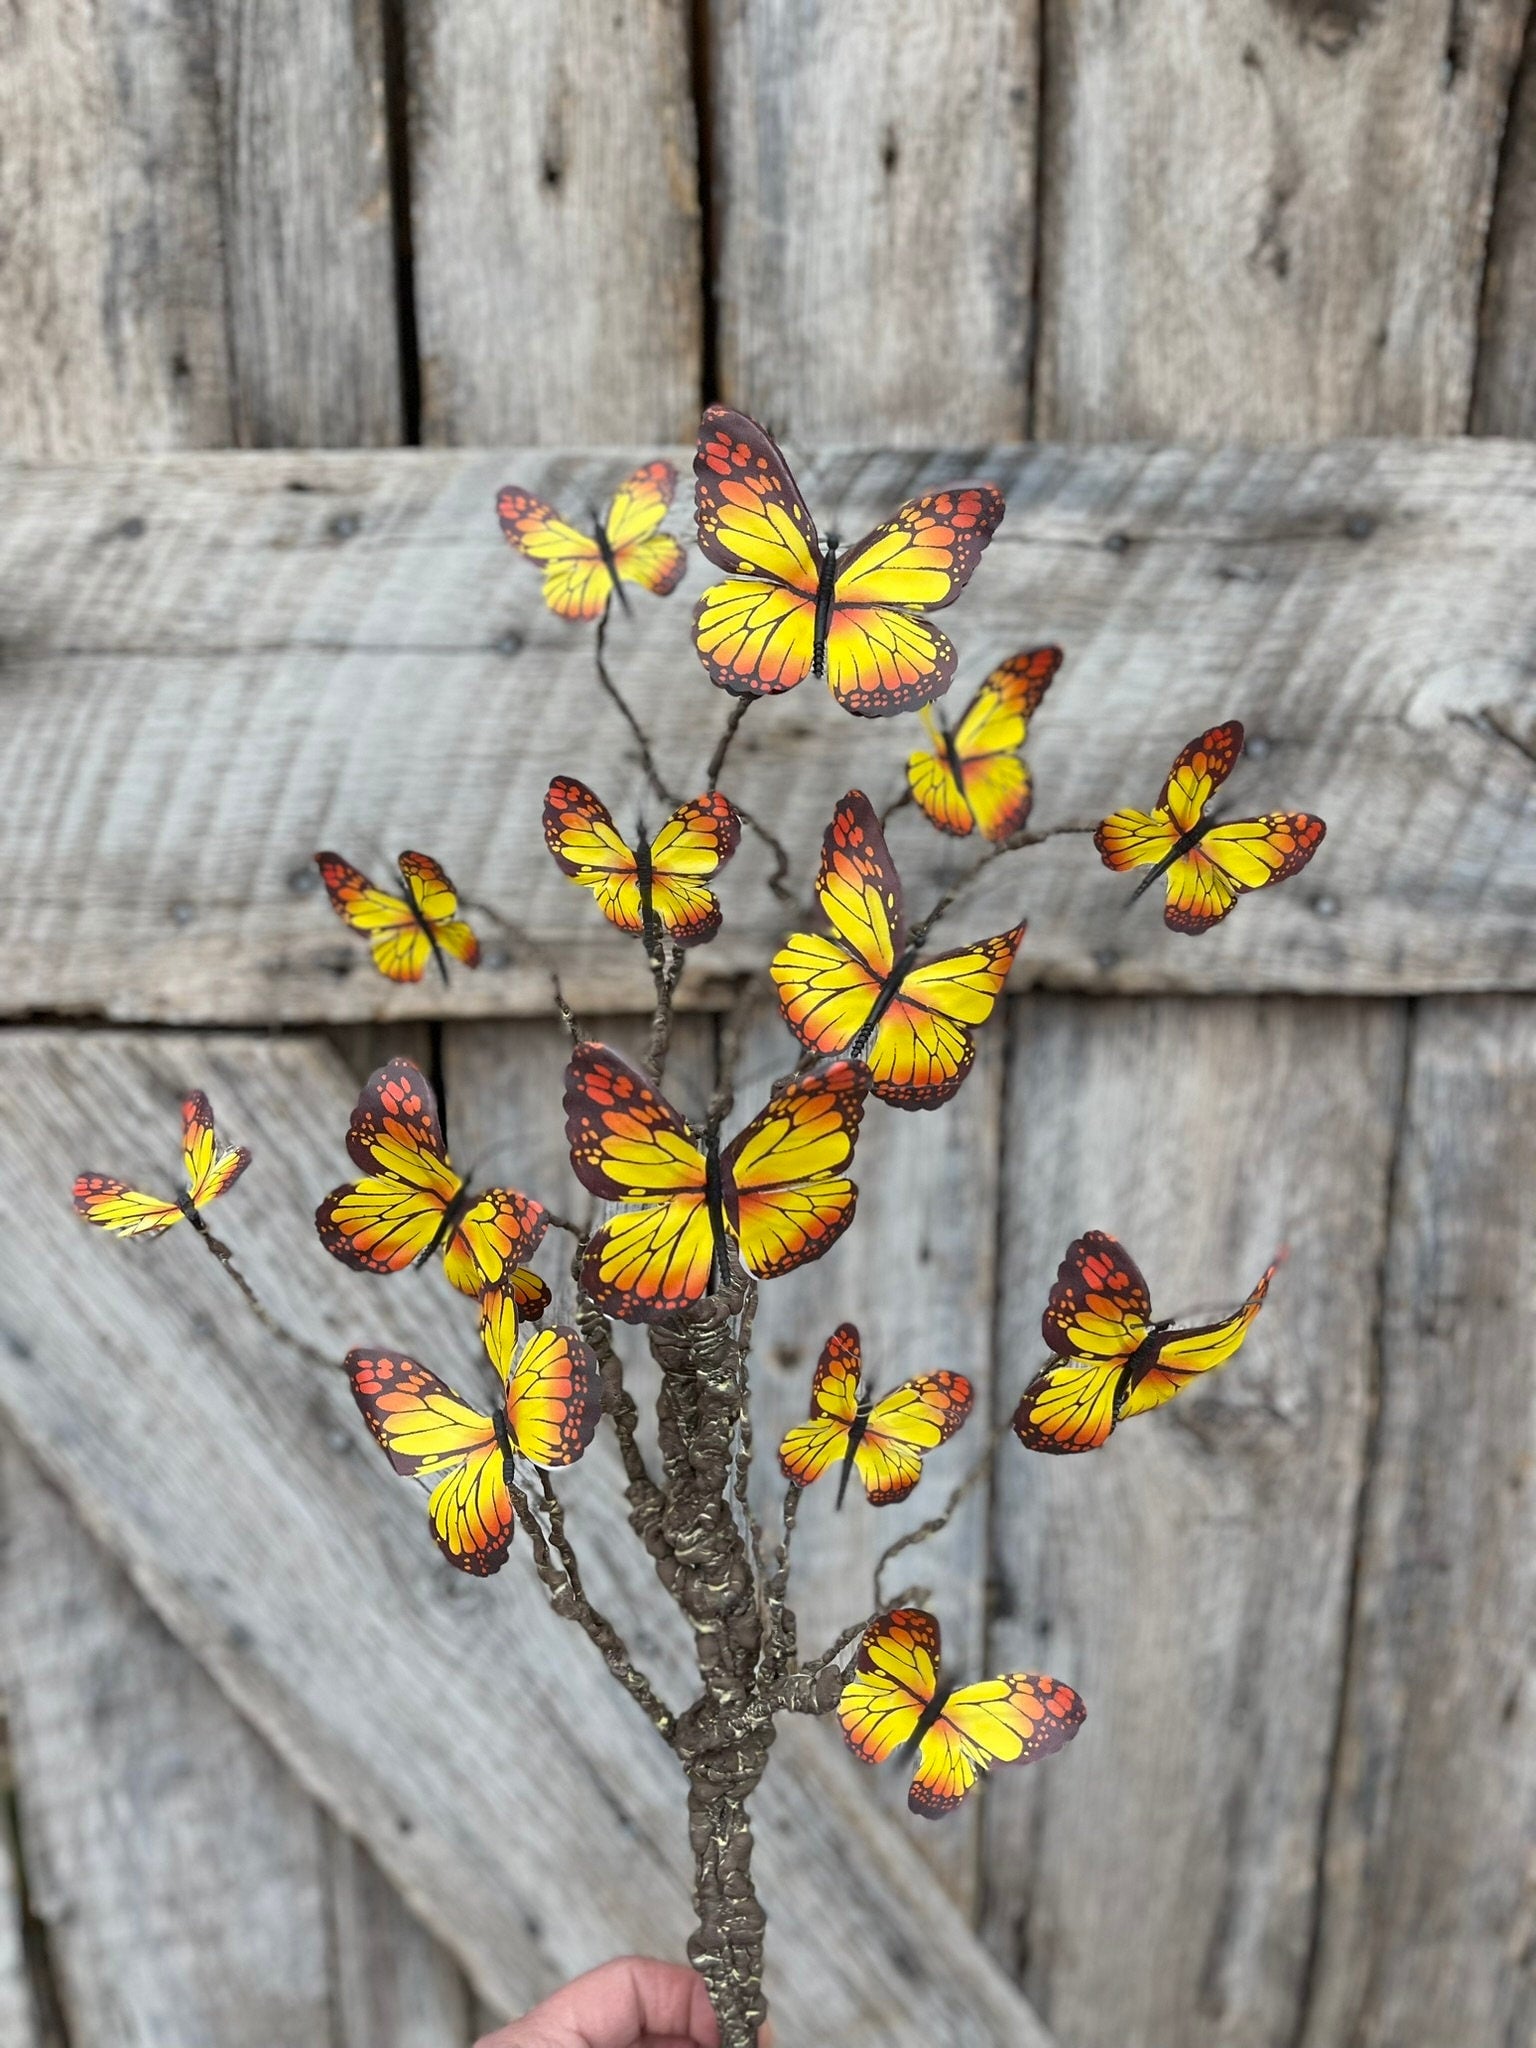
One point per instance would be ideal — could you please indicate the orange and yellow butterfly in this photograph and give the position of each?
(210, 1173)
(549, 1416)
(1208, 865)
(1111, 1360)
(790, 608)
(411, 1203)
(583, 571)
(883, 1441)
(894, 1703)
(973, 779)
(662, 878)
(776, 1197)
(866, 992)
(404, 932)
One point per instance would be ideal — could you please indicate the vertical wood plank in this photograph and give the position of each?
(1427, 1918)
(192, 1892)
(19, 2019)
(199, 248)
(1504, 395)
(872, 181)
(1267, 218)
(556, 222)
(1192, 1578)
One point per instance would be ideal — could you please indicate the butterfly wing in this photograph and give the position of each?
(577, 584)
(401, 949)
(1069, 1406)
(641, 555)
(1247, 854)
(922, 1047)
(786, 1192)
(390, 1217)
(903, 1427)
(587, 845)
(813, 1447)
(1135, 839)
(1009, 1720)
(755, 632)
(425, 1430)
(1099, 1307)
(493, 1236)
(1199, 772)
(433, 895)
(210, 1172)
(882, 656)
(125, 1211)
(998, 792)
(693, 844)
(629, 1145)
(553, 1400)
(936, 792)
(530, 1294)
(1183, 1354)
(893, 1681)
(829, 986)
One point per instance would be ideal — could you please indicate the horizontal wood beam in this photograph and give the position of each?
(214, 664)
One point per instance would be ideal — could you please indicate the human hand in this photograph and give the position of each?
(634, 2002)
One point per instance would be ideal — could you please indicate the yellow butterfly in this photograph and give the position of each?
(974, 779)
(210, 1173)
(404, 933)
(582, 571)
(884, 1441)
(663, 878)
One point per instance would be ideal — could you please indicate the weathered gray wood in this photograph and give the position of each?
(1424, 1918)
(209, 673)
(505, 1080)
(1267, 220)
(199, 247)
(392, 1985)
(556, 221)
(19, 2021)
(449, 1724)
(1192, 1578)
(1504, 391)
(873, 189)
(176, 1866)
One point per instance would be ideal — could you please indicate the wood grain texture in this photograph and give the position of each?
(1267, 219)
(927, 1191)
(1504, 390)
(556, 221)
(1425, 1918)
(214, 665)
(1193, 1577)
(281, 1552)
(200, 249)
(19, 2019)
(873, 188)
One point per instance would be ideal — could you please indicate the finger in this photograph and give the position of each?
(628, 2003)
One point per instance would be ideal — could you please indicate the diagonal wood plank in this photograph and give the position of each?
(215, 665)
(1426, 1916)
(1267, 221)
(1192, 1578)
(454, 1726)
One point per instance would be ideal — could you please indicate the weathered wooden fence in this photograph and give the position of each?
(276, 1776)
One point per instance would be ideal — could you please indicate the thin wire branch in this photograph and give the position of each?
(728, 1050)
(572, 1600)
(778, 879)
(919, 932)
(813, 1688)
(621, 702)
(580, 1231)
(897, 803)
(941, 1520)
(645, 1496)
(258, 1307)
(566, 1014)
(664, 979)
(738, 712)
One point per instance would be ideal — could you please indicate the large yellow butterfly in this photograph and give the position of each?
(411, 1203)
(894, 1703)
(776, 1197)
(1208, 865)
(582, 571)
(973, 779)
(404, 933)
(1111, 1360)
(662, 878)
(883, 1441)
(790, 608)
(127, 1213)
(549, 1416)
(865, 991)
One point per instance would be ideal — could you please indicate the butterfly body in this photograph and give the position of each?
(864, 990)
(973, 778)
(858, 1429)
(792, 606)
(1109, 1359)
(1207, 862)
(112, 1205)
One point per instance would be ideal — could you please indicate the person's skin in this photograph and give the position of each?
(635, 2002)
